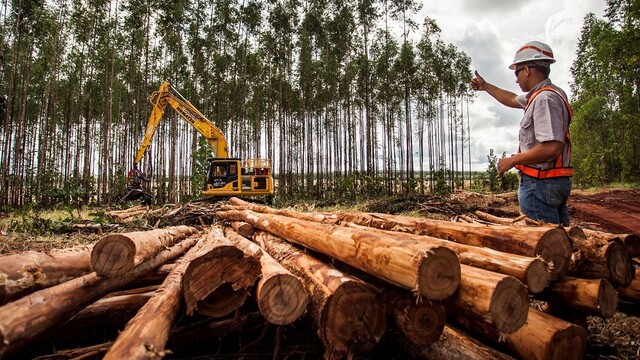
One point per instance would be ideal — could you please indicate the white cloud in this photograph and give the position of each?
(490, 31)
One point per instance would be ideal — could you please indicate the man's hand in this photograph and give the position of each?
(504, 165)
(478, 83)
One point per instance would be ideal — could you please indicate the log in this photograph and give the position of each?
(550, 242)
(145, 336)
(455, 344)
(433, 271)
(280, 295)
(496, 299)
(600, 258)
(243, 228)
(127, 214)
(156, 277)
(631, 292)
(219, 281)
(24, 273)
(347, 312)
(542, 337)
(26, 318)
(422, 323)
(630, 241)
(116, 254)
(533, 272)
(588, 296)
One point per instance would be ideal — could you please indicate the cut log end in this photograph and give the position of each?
(537, 276)
(282, 299)
(114, 254)
(353, 319)
(422, 324)
(439, 274)
(621, 270)
(607, 299)
(555, 247)
(568, 344)
(509, 305)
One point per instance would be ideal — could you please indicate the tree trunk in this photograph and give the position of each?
(591, 297)
(542, 337)
(26, 318)
(602, 259)
(631, 292)
(280, 295)
(218, 281)
(145, 336)
(243, 228)
(24, 273)
(347, 311)
(422, 323)
(434, 272)
(127, 214)
(496, 299)
(116, 254)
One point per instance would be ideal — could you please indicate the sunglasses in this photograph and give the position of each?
(518, 70)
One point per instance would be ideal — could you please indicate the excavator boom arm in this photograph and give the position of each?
(167, 95)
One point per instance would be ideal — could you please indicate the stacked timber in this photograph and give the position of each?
(128, 214)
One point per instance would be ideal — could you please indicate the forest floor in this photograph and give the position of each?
(612, 210)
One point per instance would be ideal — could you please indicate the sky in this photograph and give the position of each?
(490, 31)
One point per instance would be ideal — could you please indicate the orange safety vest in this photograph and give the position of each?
(558, 170)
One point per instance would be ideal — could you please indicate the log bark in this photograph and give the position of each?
(26, 318)
(433, 271)
(243, 228)
(542, 337)
(496, 299)
(630, 241)
(116, 254)
(24, 273)
(422, 323)
(127, 214)
(590, 297)
(280, 295)
(145, 336)
(600, 258)
(533, 272)
(219, 281)
(347, 312)
(551, 243)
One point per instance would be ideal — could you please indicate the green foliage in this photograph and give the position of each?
(441, 186)
(492, 172)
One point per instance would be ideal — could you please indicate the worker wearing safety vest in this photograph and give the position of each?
(544, 147)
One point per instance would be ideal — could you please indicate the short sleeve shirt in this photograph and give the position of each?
(546, 119)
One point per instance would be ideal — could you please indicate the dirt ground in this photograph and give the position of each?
(615, 211)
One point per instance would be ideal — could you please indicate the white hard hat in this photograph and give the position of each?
(533, 51)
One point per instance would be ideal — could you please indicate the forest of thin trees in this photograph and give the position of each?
(338, 94)
(349, 99)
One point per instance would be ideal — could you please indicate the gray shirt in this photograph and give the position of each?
(546, 119)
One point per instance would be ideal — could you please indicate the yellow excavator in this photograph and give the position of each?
(226, 176)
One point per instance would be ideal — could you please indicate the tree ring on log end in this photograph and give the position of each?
(439, 274)
(607, 299)
(509, 305)
(424, 323)
(568, 344)
(282, 299)
(619, 264)
(537, 276)
(114, 254)
(353, 318)
(555, 247)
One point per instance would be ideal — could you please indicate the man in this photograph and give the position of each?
(544, 147)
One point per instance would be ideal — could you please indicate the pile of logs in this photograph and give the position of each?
(349, 276)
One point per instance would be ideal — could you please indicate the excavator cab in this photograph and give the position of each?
(235, 177)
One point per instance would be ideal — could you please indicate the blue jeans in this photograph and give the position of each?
(545, 199)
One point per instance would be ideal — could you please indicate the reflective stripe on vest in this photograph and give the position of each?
(557, 170)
